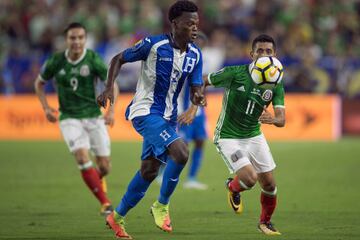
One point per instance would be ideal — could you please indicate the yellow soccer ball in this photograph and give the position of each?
(266, 72)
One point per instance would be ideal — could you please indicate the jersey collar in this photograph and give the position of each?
(76, 61)
(173, 45)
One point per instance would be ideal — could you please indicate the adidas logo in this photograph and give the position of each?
(242, 89)
(62, 72)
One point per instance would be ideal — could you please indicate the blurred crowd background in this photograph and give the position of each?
(318, 40)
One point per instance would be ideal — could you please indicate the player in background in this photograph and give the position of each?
(167, 60)
(82, 125)
(194, 132)
(238, 137)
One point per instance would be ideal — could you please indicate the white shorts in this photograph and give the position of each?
(88, 133)
(238, 153)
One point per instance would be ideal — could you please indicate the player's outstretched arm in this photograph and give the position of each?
(277, 120)
(115, 64)
(40, 92)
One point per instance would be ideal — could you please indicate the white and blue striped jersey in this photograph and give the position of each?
(163, 72)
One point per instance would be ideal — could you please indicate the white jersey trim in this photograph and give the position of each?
(77, 61)
(144, 96)
(279, 106)
(176, 73)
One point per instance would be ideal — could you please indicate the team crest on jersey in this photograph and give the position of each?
(84, 70)
(267, 95)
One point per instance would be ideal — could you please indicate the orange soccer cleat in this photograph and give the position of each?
(117, 224)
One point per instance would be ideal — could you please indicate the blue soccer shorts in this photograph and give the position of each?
(158, 133)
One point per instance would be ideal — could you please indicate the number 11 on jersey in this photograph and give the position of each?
(250, 107)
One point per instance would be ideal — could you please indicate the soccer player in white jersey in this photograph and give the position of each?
(82, 125)
(167, 61)
(238, 137)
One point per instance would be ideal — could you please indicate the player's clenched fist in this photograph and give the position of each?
(103, 97)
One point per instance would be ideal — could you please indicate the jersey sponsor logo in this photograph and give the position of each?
(256, 91)
(241, 89)
(84, 70)
(165, 59)
(267, 95)
(190, 64)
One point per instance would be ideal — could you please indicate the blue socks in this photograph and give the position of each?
(195, 163)
(170, 180)
(138, 187)
(135, 192)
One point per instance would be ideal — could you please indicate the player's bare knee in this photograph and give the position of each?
(183, 156)
(248, 179)
(269, 188)
(104, 170)
(249, 182)
(82, 160)
(81, 156)
(148, 174)
(179, 152)
(149, 170)
(103, 165)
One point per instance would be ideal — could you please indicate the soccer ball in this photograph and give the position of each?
(266, 71)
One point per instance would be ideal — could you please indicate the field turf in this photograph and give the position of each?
(43, 196)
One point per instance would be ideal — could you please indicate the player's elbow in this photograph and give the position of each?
(117, 59)
(38, 84)
(280, 123)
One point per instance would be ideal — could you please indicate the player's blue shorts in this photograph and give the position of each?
(194, 131)
(158, 134)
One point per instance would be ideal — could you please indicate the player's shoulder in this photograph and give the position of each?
(56, 59)
(236, 68)
(91, 53)
(153, 39)
(57, 56)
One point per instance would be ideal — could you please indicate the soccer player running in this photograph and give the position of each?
(82, 125)
(167, 61)
(238, 137)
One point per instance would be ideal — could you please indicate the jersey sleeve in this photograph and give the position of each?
(222, 78)
(48, 69)
(100, 67)
(138, 52)
(279, 95)
(195, 79)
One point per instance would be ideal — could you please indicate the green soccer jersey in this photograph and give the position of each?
(243, 102)
(75, 82)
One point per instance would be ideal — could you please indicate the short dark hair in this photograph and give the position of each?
(73, 25)
(263, 38)
(179, 7)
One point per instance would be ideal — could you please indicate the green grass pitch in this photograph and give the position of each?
(43, 196)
